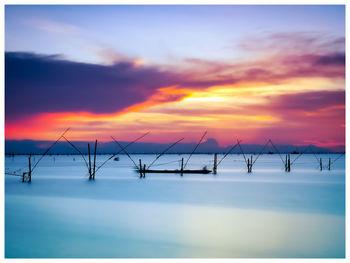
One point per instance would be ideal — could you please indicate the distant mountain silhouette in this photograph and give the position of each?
(209, 146)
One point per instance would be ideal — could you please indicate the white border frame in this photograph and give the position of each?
(159, 2)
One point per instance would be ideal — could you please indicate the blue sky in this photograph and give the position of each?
(249, 72)
(159, 34)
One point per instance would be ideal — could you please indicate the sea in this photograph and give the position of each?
(268, 213)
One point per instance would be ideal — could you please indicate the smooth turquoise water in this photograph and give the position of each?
(269, 213)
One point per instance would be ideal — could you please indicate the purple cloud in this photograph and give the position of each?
(39, 83)
(307, 101)
(36, 83)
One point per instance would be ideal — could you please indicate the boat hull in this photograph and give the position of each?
(179, 171)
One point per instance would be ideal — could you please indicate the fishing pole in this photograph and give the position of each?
(240, 147)
(13, 174)
(314, 153)
(77, 151)
(296, 158)
(195, 148)
(232, 148)
(277, 151)
(42, 156)
(123, 149)
(337, 158)
(164, 152)
(130, 143)
(260, 153)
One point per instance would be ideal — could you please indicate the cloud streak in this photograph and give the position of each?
(37, 84)
(271, 93)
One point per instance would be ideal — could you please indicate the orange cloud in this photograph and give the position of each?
(293, 96)
(163, 95)
(226, 112)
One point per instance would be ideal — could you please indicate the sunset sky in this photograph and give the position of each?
(248, 72)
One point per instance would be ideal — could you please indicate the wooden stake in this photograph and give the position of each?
(248, 165)
(90, 176)
(251, 163)
(30, 169)
(288, 162)
(215, 163)
(321, 164)
(140, 168)
(329, 164)
(144, 171)
(182, 166)
(93, 177)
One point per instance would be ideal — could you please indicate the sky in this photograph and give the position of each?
(247, 72)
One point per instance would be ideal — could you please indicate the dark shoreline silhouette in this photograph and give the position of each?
(22, 147)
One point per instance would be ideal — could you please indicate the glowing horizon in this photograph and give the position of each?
(286, 83)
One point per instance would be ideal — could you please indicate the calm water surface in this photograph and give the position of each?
(268, 213)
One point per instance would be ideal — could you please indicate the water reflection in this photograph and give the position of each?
(268, 213)
(65, 227)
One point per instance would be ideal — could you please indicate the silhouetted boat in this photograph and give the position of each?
(177, 171)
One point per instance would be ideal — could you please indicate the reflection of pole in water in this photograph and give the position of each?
(29, 169)
(54, 159)
(74, 159)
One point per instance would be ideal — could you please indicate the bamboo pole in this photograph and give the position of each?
(140, 170)
(182, 166)
(90, 176)
(123, 149)
(167, 149)
(251, 163)
(94, 161)
(195, 148)
(215, 163)
(42, 156)
(285, 164)
(75, 148)
(233, 147)
(30, 169)
(288, 162)
(126, 146)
